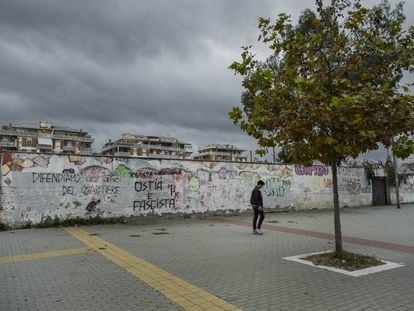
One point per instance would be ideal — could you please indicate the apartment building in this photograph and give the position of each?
(218, 152)
(45, 137)
(148, 146)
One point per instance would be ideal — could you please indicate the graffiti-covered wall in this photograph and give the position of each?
(35, 186)
(406, 189)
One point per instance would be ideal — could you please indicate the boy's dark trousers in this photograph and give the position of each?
(256, 215)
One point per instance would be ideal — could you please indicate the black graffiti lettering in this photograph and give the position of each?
(145, 175)
(112, 177)
(72, 177)
(100, 189)
(171, 203)
(68, 190)
(55, 177)
(90, 178)
(77, 177)
(172, 189)
(148, 173)
(169, 171)
(151, 204)
(146, 205)
(138, 186)
(35, 177)
(148, 185)
(138, 205)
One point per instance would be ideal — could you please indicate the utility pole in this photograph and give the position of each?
(397, 186)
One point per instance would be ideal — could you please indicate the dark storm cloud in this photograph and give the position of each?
(132, 66)
(152, 67)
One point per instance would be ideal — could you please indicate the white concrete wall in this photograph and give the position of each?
(35, 186)
(406, 190)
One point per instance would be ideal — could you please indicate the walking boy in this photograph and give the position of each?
(256, 200)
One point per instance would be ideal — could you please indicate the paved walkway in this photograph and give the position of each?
(209, 264)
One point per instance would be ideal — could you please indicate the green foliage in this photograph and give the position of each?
(403, 147)
(389, 169)
(284, 155)
(369, 170)
(331, 87)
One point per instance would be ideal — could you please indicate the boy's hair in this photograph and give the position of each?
(260, 183)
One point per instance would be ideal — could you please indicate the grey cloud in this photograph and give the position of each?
(121, 31)
(155, 66)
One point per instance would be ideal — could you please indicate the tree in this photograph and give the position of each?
(284, 155)
(333, 90)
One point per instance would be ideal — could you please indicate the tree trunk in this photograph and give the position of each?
(337, 219)
(397, 184)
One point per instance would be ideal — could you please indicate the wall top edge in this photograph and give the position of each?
(162, 159)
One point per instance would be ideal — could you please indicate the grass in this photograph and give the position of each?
(348, 261)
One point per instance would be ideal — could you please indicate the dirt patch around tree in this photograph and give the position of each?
(348, 261)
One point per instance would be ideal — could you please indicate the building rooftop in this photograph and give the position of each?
(148, 137)
(220, 146)
(44, 125)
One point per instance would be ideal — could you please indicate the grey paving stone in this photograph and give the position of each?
(17, 242)
(75, 282)
(223, 259)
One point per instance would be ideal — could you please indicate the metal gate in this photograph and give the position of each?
(379, 191)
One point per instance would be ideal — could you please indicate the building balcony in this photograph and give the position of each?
(223, 157)
(44, 147)
(87, 138)
(218, 153)
(69, 148)
(241, 159)
(87, 151)
(7, 133)
(18, 133)
(147, 147)
(165, 156)
(115, 146)
(158, 147)
(122, 154)
(10, 144)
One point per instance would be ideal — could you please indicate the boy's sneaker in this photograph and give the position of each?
(259, 231)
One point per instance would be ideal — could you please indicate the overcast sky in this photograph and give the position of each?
(154, 67)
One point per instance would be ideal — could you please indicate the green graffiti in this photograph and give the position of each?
(124, 172)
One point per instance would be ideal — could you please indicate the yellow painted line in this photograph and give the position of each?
(34, 256)
(183, 293)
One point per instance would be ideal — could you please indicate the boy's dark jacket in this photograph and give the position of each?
(256, 198)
